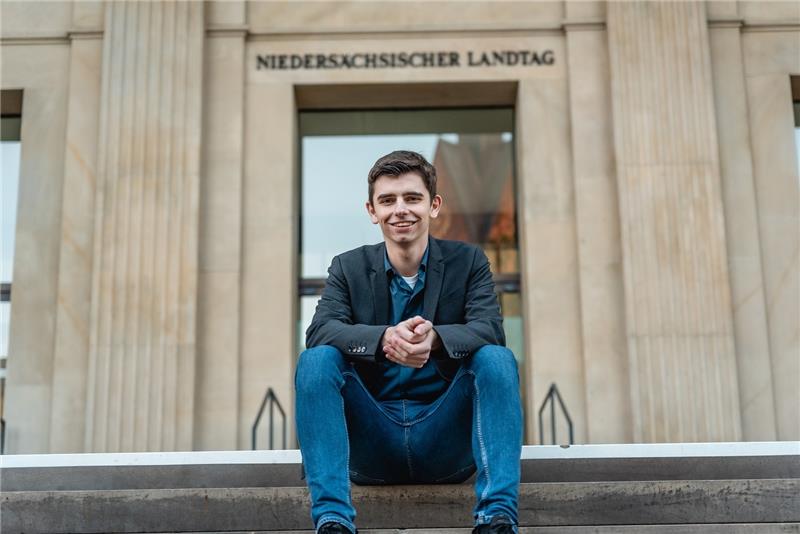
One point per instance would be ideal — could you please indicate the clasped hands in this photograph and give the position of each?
(410, 342)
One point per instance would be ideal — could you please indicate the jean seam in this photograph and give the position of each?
(371, 479)
(347, 459)
(451, 475)
(407, 441)
(440, 400)
(372, 399)
(481, 443)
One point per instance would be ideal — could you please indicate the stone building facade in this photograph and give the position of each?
(155, 291)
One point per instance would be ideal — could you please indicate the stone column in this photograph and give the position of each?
(140, 386)
(677, 293)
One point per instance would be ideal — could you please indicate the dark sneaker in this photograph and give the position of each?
(332, 527)
(500, 525)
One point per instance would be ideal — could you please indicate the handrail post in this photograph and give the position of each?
(552, 395)
(270, 397)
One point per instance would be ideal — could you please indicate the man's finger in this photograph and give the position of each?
(417, 320)
(403, 345)
(404, 333)
(409, 335)
(423, 328)
(411, 361)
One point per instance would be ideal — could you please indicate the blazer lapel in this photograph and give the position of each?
(433, 280)
(380, 286)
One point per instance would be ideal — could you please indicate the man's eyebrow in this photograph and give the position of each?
(404, 193)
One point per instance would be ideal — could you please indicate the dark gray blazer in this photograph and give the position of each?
(459, 300)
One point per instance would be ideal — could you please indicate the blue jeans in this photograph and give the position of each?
(345, 434)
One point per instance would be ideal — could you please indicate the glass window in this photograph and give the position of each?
(9, 185)
(473, 152)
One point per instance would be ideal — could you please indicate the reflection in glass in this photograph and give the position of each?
(476, 179)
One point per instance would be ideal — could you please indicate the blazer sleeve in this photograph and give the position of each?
(483, 324)
(333, 321)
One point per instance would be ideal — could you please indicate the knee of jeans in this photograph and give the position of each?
(494, 362)
(316, 365)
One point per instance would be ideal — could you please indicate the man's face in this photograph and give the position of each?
(403, 208)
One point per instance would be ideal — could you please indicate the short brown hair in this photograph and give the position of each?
(401, 162)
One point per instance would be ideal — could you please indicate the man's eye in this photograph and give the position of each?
(386, 201)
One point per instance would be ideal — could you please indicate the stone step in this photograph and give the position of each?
(401, 507)
(254, 469)
(720, 528)
(674, 486)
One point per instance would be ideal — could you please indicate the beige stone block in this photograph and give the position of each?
(75, 265)
(774, 54)
(226, 13)
(42, 73)
(774, 153)
(216, 424)
(550, 264)
(405, 16)
(778, 197)
(219, 284)
(88, 15)
(599, 251)
(221, 195)
(34, 19)
(269, 249)
(27, 401)
(585, 10)
(753, 353)
(721, 10)
(782, 283)
(544, 143)
(769, 11)
(742, 238)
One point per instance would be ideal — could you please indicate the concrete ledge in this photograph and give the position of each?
(402, 507)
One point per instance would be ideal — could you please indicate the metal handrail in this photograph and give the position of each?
(270, 397)
(2, 436)
(552, 396)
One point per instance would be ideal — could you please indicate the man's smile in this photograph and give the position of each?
(402, 224)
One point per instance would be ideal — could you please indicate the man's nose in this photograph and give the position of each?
(400, 208)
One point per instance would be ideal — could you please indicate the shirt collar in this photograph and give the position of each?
(389, 269)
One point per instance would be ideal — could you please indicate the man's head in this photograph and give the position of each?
(402, 197)
(401, 162)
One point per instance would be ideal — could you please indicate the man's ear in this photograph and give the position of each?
(371, 211)
(436, 205)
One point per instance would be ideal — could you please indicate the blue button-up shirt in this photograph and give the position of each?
(400, 382)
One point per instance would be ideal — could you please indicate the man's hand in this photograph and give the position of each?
(410, 342)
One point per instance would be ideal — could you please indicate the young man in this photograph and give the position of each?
(406, 379)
